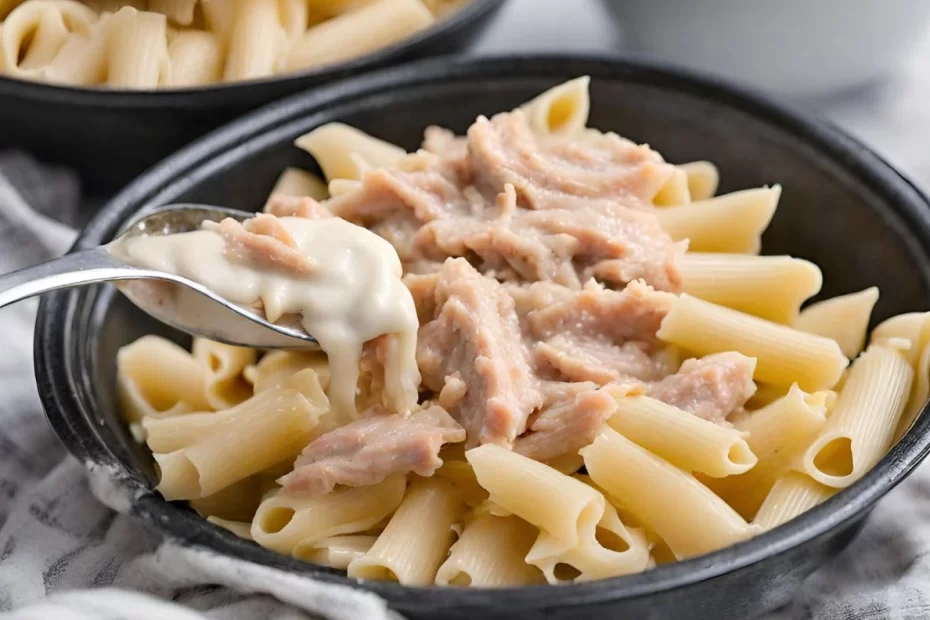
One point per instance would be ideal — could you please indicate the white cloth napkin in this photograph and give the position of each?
(65, 555)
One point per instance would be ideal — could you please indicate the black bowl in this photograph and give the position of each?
(842, 207)
(110, 136)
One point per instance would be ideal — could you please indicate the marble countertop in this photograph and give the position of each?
(892, 116)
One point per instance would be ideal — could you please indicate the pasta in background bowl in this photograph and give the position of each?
(76, 69)
(754, 144)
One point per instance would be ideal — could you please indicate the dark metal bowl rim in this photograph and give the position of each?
(474, 11)
(60, 385)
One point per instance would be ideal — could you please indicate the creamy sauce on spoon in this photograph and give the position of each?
(342, 280)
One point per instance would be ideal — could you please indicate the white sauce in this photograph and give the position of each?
(352, 295)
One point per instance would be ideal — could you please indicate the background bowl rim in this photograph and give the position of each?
(474, 11)
(60, 386)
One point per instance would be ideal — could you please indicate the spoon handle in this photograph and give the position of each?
(76, 269)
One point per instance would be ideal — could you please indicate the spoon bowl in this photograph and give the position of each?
(158, 293)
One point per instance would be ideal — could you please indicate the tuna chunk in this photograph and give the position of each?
(262, 240)
(445, 143)
(601, 361)
(566, 247)
(280, 205)
(369, 450)
(568, 424)
(711, 388)
(472, 354)
(551, 172)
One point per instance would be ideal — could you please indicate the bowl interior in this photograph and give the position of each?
(841, 208)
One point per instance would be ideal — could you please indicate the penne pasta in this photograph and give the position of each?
(34, 33)
(863, 422)
(783, 355)
(558, 505)
(561, 110)
(295, 17)
(770, 287)
(681, 438)
(156, 377)
(844, 319)
(337, 551)
(792, 495)
(196, 58)
(776, 434)
(344, 152)
(703, 179)
(256, 40)
(219, 16)
(675, 191)
(685, 513)
(276, 367)
(224, 364)
(82, 59)
(608, 550)
(284, 521)
(490, 554)
(271, 427)
(375, 25)
(296, 182)
(417, 538)
(237, 502)
(914, 328)
(732, 223)
(239, 528)
(461, 475)
(138, 49)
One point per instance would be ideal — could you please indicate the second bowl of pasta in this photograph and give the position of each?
(109, 87)
(642, 374)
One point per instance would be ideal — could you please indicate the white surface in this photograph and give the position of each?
(892, 116)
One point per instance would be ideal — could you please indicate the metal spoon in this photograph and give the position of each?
(225, 322)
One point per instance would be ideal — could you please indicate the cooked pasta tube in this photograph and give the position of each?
(295, 17)
(237, 502)
(770, 287)
(844, 319)
(285, 521)
(863, 422)
(276, 367)
(34, 32)
(375, 25)
(256, 40)
(297, 182)
(608, 550)
(180, 12)
(685, 513)
(555, 503)
(491, 554)
(675, 191)
(783, 355)
(82, 59)
(561, 110)
(682, 439)
(138, 49)
(703, 179)
(154, 376)
(732, 223)
(417, 538)
(463, 478)
(777, 434)
(271, 427)
(196, 58)
(915, 329)
(344, 152)
(223, 365)
(219, 15)
(792, 495)
(337, 551)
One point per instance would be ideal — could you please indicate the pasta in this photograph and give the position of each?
(186, 43)
(784, 355)
(654, 404)
(769, 287)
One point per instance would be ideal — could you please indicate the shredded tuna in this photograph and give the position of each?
(711, 388)
(599, 360)
(566, 247)
(444, 142)
(561, 172)
(280, 205)
(475, 338)
(369, 450)
(262, 240)
(567, 425)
